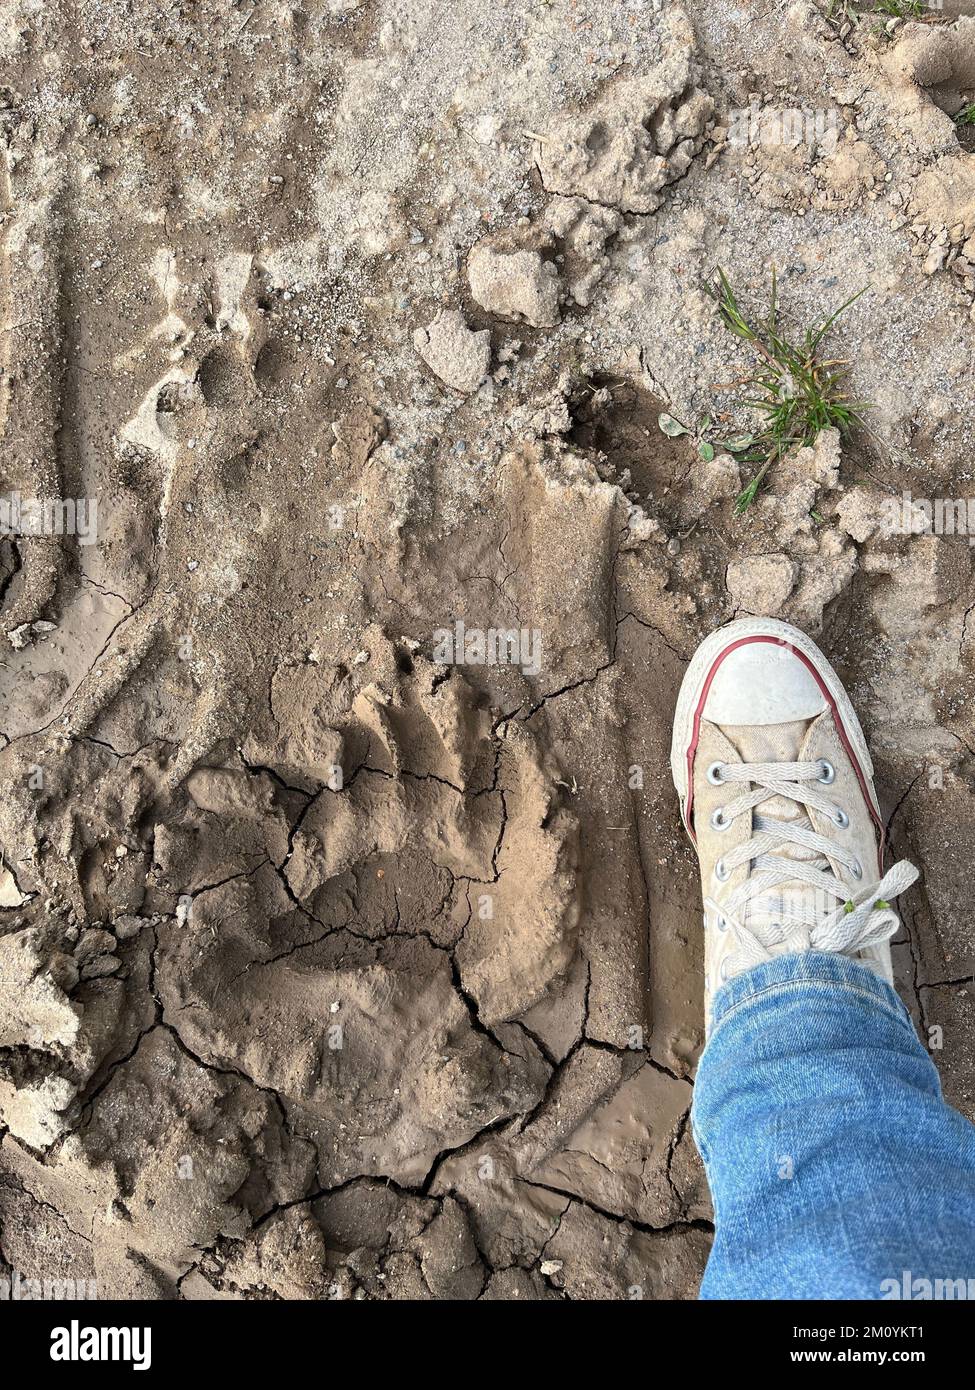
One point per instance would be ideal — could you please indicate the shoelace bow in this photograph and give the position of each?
(863, 918)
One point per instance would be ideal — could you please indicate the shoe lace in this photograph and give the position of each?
(831, 918)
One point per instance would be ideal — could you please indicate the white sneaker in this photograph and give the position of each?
(777, 795)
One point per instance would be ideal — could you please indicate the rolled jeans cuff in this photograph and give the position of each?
(805, 972)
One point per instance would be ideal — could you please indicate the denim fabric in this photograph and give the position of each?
(834, 1164)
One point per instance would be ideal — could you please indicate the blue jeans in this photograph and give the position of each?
(836, 1169)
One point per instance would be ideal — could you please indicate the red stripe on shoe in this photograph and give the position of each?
(844, 739)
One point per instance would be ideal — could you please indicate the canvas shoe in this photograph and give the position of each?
(776, 792)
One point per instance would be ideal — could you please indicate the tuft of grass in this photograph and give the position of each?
(796, 392)
(855, 11)
(966, 116)
(900, 9)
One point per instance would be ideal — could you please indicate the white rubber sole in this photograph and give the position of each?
(707, 658)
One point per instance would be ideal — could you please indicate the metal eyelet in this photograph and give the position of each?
(856, 869)
(721, 922)
(714, 775)
(719, 821)
(720, 872)
(841, 819)
(827, 771)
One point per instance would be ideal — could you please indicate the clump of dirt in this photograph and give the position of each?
(349, 940)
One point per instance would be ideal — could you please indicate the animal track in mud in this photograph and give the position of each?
(417, 852)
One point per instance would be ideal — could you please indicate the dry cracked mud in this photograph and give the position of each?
(331, 966)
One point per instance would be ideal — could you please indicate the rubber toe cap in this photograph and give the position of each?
(762, 683)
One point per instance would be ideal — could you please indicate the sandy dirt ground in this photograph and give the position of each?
(332, 965)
